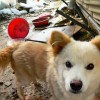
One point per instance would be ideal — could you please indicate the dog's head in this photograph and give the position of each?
(77, 63)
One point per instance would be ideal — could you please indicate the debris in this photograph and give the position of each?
(1, 83)
(76, 22)
(45, 34)
(7, 4)
(12, 11)
(8, 83)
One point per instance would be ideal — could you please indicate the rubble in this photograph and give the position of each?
(8, 83)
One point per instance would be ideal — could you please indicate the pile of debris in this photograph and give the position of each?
(11, 7)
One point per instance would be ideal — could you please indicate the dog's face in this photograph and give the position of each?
(79, 66)
(77, 63)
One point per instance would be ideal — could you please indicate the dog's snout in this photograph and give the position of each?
(76, 85)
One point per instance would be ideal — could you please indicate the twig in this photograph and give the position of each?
(65, 2)
(35, 41)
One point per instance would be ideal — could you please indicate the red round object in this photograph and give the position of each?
(18, 28)
(40, 22)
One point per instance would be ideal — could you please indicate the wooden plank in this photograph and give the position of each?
(45, 34)
(95, 9)
(91, 6)
(92, 2)
(97, 21)
(80, 1)
(97, 16)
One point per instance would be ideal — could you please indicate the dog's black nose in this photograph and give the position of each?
(76, 85)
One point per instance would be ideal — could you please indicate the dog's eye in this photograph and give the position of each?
(68, 64)
(90, 66)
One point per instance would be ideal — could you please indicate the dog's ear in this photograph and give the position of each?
(96, 41)
(58, 41)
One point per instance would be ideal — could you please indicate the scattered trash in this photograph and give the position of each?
(7, 4)
(12, 11)
(7, 83)
(1, 83)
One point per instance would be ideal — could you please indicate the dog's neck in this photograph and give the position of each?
(91, 97)
(79, 97)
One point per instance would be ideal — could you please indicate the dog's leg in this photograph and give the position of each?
(20, 91)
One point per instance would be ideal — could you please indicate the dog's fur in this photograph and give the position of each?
(28, 60)
(31, 61)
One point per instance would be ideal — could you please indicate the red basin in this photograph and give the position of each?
(41, 21)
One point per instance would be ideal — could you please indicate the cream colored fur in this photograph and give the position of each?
(29, 62)
(80, 54)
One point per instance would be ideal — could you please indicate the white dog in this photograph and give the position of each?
(74, 71)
